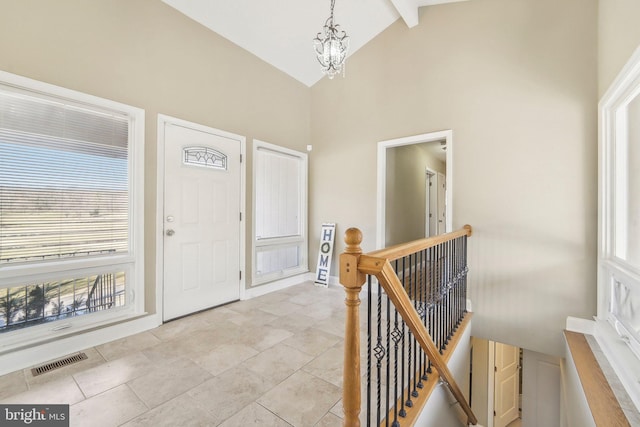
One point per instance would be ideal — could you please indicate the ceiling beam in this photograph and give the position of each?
(408, 9)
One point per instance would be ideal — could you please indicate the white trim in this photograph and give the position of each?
(584, 326)
(278, 285)
(302, 238)
(162, 121)
(447, 135)
(60, 347)
(611, 332)
(132, 263)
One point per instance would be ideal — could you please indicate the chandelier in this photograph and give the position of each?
(331, 46)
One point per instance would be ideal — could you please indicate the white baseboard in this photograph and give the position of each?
(61, 347)
(276, 285)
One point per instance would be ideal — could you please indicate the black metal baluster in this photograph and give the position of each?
(466, 271)
(403, 412)
(416, 303)
(454, 288)
(379, 353)
(430, 306)
(388, 361)
(412, 266)
(369, 317)
(447, 289)
(423, 298)
(441, 308)
(410, 340)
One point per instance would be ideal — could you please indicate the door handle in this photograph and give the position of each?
(170, 232)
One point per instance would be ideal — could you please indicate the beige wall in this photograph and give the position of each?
(618, 38)
(146, 54)
(406, 191)
(516, 82)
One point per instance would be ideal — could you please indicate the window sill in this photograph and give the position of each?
(611, 390)
(70, 342)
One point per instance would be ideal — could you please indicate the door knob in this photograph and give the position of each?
(170, 232)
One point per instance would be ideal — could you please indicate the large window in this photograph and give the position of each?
(619, 222)
(279, 212)
(70, 209)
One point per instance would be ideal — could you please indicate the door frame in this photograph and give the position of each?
(160, 175)
(381, 198)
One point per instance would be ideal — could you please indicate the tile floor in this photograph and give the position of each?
(274, 360)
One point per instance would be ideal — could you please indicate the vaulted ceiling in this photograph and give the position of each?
(280, 32)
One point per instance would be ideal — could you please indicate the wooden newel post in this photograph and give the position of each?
(352, 280)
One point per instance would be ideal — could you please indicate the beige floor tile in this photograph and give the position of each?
(168, 380)
(271, 298)
(332, 325)
(323, 311)
(262, 337)
(312, 341)
(108, 409)
(254, 415)
(215, 315)
(328, 366)
(181, 411)
(278, 362)
(294, 322)
(128, 345)
(12, 384)
(329, 420)
(210, 367)
(308, 298)
(112, 374)
(229, 392)
(60, 391)
(193, 344)
(246, 306)
(280, 308)
(93, 359)
(179, 327)
(254, 317)
(313, 399)
(224, 357)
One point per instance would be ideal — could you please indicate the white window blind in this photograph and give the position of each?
(278, 195)
(63, 179)
(280, 206)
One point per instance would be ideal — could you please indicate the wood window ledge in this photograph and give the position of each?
(603, 401)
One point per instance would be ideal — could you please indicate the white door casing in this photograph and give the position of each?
(447, 136)
(201, 218)
(507, 384)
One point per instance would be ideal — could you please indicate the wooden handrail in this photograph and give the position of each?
(398, 251)
(353, 269)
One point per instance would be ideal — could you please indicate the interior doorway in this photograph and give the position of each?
(401, 196)
(496, 383)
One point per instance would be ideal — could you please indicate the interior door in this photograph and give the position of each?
(507, 384)
(201, 220)
(442, 205)
(431, 214)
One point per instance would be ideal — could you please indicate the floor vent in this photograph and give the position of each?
(58, 364)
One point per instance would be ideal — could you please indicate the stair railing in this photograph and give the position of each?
(424, 286)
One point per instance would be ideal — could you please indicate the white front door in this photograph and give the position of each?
(201, 220)
(507, 384)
